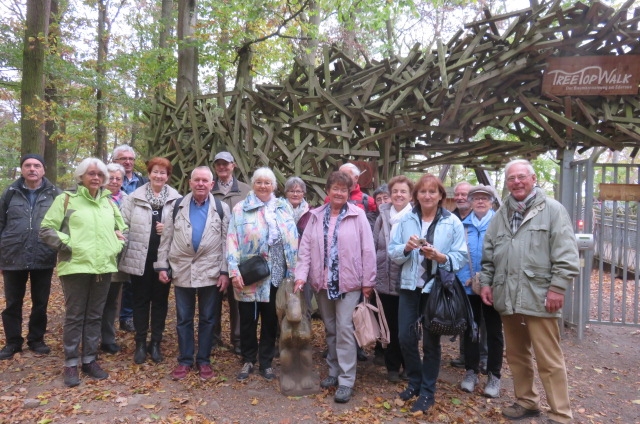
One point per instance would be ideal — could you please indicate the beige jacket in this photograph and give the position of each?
(190, 268)
(137, 214)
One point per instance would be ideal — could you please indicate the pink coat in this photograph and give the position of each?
(356, 252)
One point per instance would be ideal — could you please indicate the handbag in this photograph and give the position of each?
(476, 287)
(254, 269)
(448, 310)
(370, 324)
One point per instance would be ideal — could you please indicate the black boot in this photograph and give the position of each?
(154, 351)
(140, 355)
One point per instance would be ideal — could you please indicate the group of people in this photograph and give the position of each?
(119, 231)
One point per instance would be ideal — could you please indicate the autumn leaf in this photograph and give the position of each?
(254, 401)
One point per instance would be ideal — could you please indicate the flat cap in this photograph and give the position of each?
(482, 189)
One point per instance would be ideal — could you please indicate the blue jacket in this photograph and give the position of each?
(448, 239)
(475, 237)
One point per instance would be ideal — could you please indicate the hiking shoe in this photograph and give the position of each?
(247, 369)
(393, 377)
(127, 325)
(329, 382)
(469, 381)
(457, 363)
(362, 355)
(39, 347)
(71, 377)
(343, 394)
(8, 351)
(205, 372)
(93, 369)
(517, 412)
(268, 374)
(408, 393)
(492, 389)
(423, 404)
(180, 372)
(110, 348)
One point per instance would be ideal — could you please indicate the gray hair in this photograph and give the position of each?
(202, 168)
(519, 162)
(116, 167)
(292, 182)
(85, 164)
(354, 169)
(264, 172)
(122, 149)
(382, 189)
(461, 183)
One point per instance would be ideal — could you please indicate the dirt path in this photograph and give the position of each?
(603, 369)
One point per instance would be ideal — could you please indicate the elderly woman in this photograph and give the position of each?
(260, 225)
(388, 274)
(475, 225)
(337, 258)
(108, 340)
(426, 238)
(143, 211)
(294, 191)
(85, 227)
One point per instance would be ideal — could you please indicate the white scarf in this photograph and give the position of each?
(270, 217)
(395, 216)
(479, 223)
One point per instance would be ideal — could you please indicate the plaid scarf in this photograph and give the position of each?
(331, 252)
(519, 209)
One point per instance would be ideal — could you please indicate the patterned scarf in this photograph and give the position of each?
(519, 209)
(331, 251)
(157, 202)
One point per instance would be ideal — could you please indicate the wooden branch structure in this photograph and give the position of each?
(425, 109)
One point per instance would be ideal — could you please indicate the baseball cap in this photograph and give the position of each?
(225, 156)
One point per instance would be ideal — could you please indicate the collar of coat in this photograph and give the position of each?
(351, 209)
(234, 185)
(252, 202)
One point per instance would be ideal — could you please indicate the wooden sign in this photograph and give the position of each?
(592, 75)
(622, 192)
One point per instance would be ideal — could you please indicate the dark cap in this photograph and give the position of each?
(35, 156)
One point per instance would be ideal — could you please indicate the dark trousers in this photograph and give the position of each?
(150, 302)
(495, 338)
(15, 287)
(109, 313)
(249, 314)
(234, 319)
(185, 311)
(392, 354)
(126, 303)
(422, 373)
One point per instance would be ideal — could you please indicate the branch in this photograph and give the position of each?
(280, 27)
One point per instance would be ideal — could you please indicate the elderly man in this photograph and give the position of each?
(460, 196)
(229, 190)
(125, 156)
(193, 246)
(24, 257)
(530, 257)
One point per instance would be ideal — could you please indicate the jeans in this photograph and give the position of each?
(185, 312)
(422, 374)
(150, 302)
(495, 339)
(126, 304)
(109, 313)
(84, 299)
(15, 287)
(234, 320)
(249, 314)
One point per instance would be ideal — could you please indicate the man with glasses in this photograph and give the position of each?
(125, 155)
(229, 190)
(530, 257)
(24, 257)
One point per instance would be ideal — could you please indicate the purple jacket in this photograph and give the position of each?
(356, 252)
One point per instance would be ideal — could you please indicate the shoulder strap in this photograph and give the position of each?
(175, 208)
(176, 204)
(365, 202)
(66, 203)
(219, 207)
(7, 200)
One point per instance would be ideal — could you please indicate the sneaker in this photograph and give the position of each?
(343, 394)
(517, 412)
(111, 348)
(180, 372)
(268, 374)
(404, 376)
(393, 377)
(8, 351)
(205, 371)
(247, 369)
(469, 381)
(422, 404)
(127, 325)
(492, 389)
(39, 347)
(93, 369)
(362, 355)
(408, 393)
(457, 363)
(71, 377)
(483, 366)
(237, 350)
(329, 382)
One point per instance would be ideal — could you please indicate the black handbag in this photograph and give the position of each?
(254, 269)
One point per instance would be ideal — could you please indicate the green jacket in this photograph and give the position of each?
(83, 232)
(541, 256)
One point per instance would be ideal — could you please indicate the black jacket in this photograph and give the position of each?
(20, 246)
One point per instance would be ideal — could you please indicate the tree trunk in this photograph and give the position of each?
(166, 24)
(52, 99)
(187, 50)
(103, 45)
(32, 88)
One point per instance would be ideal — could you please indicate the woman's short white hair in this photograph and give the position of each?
(293, 182)
(116, 167)
(264, 172)
(85, 164)
(519, 162)
(354, 169)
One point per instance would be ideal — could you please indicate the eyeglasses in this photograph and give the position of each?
(296, 192)
(520, 178)
(481, 199)
(263, 183)
(94, 174)
(115, 179)
(128, 159)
